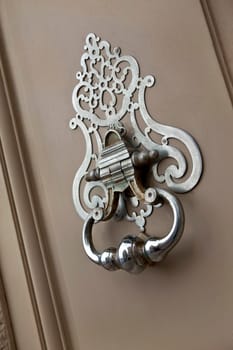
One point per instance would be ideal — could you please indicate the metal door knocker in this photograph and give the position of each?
(109, 101)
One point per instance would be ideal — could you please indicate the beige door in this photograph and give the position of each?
(57, 298)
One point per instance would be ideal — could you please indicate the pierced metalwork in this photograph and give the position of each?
(109, 101)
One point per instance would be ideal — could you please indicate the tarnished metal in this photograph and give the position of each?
(110, 94)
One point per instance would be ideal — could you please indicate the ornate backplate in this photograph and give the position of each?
(110, 94)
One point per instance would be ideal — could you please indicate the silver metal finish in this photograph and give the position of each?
(134, 254)
(110, 94)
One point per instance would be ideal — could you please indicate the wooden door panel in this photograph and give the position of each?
(219, 19)
(186, 301)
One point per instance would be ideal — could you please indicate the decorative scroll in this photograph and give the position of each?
(110, 94)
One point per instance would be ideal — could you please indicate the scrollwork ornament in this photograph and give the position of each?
(110, 96)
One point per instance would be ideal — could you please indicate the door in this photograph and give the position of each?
(57, 298)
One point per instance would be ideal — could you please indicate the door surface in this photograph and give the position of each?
(57, 298)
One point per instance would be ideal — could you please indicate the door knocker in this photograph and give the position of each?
(109, 101)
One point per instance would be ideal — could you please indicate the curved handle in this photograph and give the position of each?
(133, 253)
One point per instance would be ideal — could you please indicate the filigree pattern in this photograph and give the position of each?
(111, 90)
